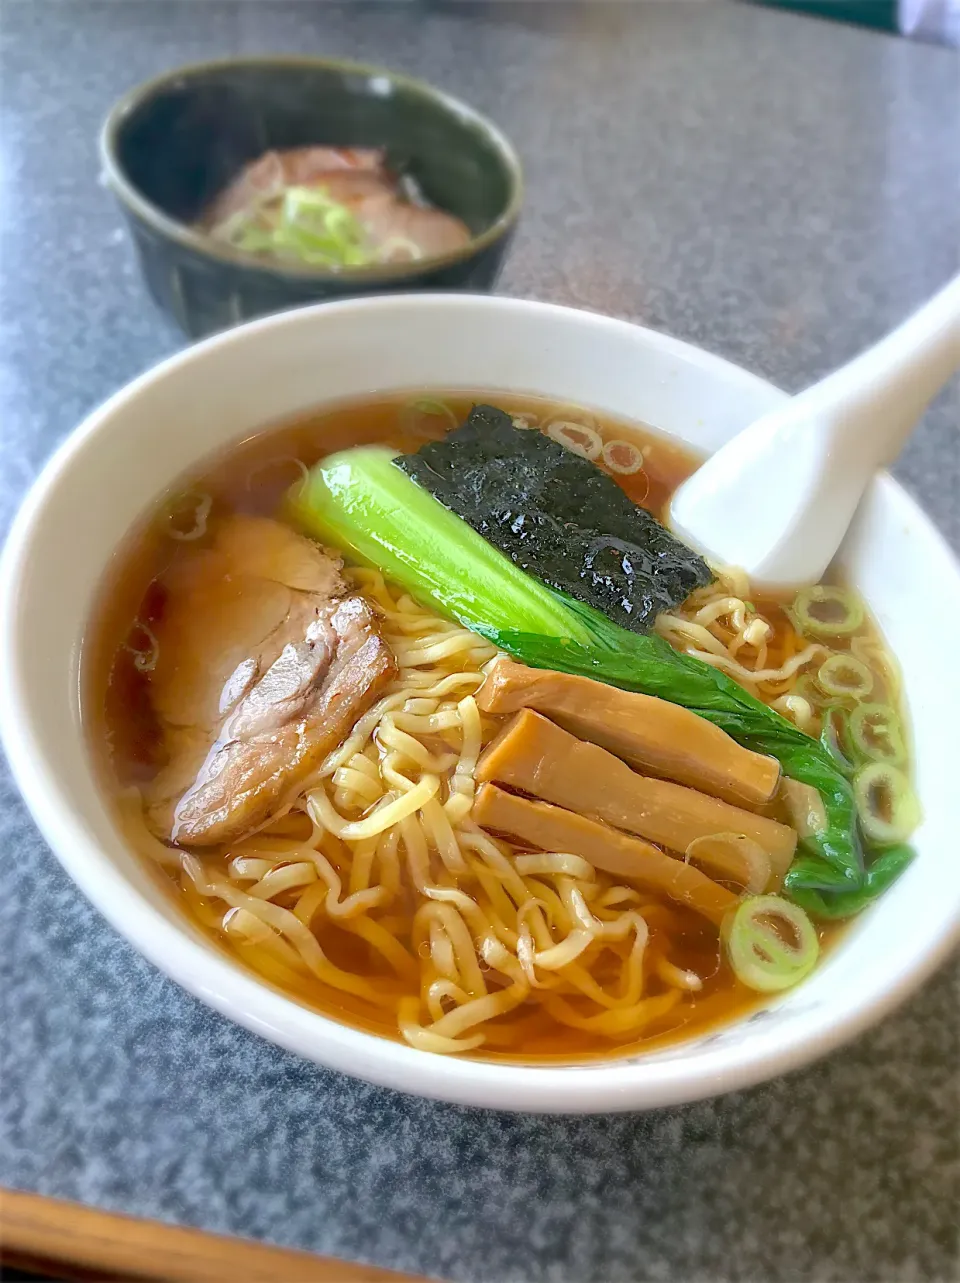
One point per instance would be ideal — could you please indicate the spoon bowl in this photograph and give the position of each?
(776, 501)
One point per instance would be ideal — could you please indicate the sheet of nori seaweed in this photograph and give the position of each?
(559, 517)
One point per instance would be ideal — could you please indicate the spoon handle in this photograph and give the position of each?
(869, 407)
(777, 499)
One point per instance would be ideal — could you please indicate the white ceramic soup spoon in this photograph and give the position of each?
(777, 499)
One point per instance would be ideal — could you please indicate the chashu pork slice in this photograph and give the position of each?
(264, 666)
(354, 177)
(268, 177)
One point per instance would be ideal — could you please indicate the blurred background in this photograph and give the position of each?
(775, 182)
(924, 19)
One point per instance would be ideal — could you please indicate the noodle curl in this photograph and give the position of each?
(379, 885)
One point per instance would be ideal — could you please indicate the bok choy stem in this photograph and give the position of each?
(360, 501)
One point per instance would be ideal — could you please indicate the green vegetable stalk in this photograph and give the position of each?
(365, 505)
(881, 873)
(360, 501)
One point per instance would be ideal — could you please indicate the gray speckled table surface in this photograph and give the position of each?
(775, 188)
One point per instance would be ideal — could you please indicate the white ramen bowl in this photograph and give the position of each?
(110, 471)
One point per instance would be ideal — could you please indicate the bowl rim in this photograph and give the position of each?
(607, 1085)
(130, 196)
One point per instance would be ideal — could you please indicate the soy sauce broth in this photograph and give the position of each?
(251, 477)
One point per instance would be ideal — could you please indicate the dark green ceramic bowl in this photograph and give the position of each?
(169, 146)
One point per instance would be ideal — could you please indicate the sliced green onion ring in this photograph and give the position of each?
(877, 735)
(387, 253)
(887, 805)
(144, 656)
(415, 415)
(771, 943)
(622, 456)
(845, 675)
(276, 468)
(304, 223)
(253, 240)
(835, 738)
(193, 507)
(731, 856)
(806, 687)
(570, 414)
(825, 611)
(804, 806)
(578, 437)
